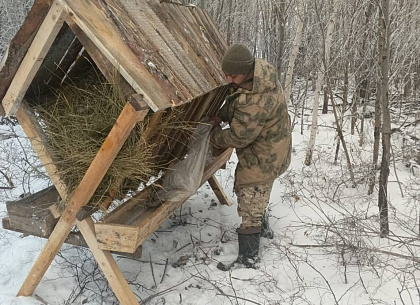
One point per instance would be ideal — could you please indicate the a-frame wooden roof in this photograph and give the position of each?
(168, 53)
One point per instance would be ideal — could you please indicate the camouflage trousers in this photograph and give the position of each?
(252, 201)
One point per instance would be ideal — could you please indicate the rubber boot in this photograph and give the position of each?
(266, 231)
(249, 245)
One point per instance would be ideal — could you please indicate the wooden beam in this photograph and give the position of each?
(74, 239)
(34, 57)
(20, 44)
(83, 193)
(107, 264)
(103, 33)
(218, 190)
(127, 237)
(37, 138)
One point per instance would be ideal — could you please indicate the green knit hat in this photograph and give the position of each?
(238, 59)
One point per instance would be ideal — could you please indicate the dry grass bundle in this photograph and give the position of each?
(77, 118)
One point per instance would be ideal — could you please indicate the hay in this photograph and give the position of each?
(78, 116)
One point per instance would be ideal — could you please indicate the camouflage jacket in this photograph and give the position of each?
(259, 128)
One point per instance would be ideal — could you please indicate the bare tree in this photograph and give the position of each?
(383, 50)
(326, 47)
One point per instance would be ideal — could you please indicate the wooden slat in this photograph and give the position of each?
(33, 59)
(20, 45)
(107, 264)
(108, 40)
(32, 214)
(83, 193)
(120, 237)
(74, 238)
(100, 60)
(218, 190)
(37, 138)
(192, 35)
(168, 46)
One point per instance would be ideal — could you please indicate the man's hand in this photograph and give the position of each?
(214, 120)
(217, 120)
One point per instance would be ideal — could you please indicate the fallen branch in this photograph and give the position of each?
(412, 258)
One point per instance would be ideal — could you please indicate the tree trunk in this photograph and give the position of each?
(229, 24)
(377, 138)
(325, 105)
(386, 118)
(338, 121)
(295, 48)
(281, 34)
(326, 47)
(354, 106)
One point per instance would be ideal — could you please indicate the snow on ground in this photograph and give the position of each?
(326, 248)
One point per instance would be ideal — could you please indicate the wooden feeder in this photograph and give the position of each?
(167, 55)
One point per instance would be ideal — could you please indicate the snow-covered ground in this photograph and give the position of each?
(326, 248)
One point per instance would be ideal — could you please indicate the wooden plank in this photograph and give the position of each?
(108, 265)
(74, 238)
(83, 193)
(191, 34)
(169, 48)
(37, 225)
(218, 190)
(124, 212)
(32, 214)
(20, 44)
(56, 62)
(34, 57)
(37, 138)
(113, 236)
(108, 40)
(100, 60)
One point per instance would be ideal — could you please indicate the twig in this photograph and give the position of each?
(182, 248)
(151, 267)
(412, 258)
(233, 288)
(240, 298)
(138, 260)
(395, 171)
(148, 299)
(41, 299)
(325, 280)
(164, 271)
(9, 180)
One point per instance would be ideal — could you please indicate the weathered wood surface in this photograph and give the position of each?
(173, 49)
(30, 64)
(104, 34)
(20, 45)
(82, 194)
(218, 191)
(62, 55)
(126, 237)
(36, 136)
(107, 264)
(74, 238)
(174, 43)
(32, 214)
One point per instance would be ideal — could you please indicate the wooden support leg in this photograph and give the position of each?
(218, 190)
(108, 265)
(34, 58)
(83, 193)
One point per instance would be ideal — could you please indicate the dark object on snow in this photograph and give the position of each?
(249, 245)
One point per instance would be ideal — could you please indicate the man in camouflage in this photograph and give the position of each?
(259, 130)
